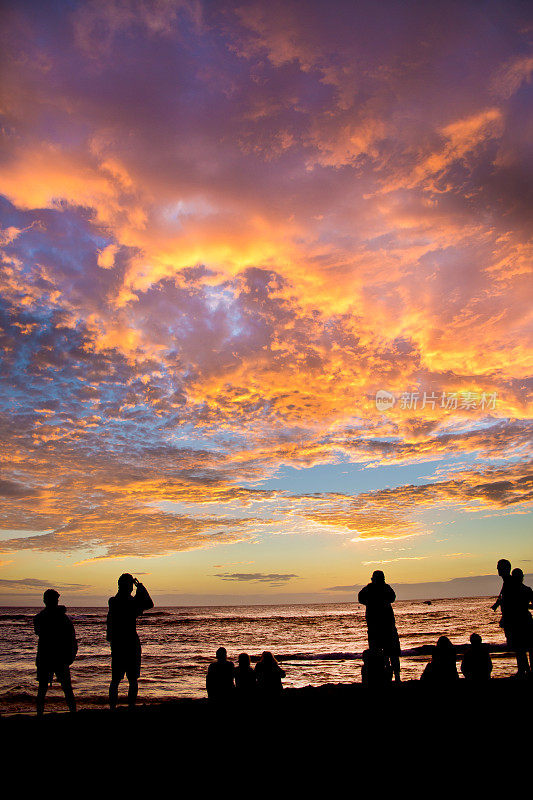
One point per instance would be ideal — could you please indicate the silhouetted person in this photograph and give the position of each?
(56, 650)
(219, 681)
(376, 669)
(476, 665)
(442, 669)
(504, 600)
(521, 623)
(269, 674)
(245, 676)
(511, 604)
(377, 597)
(123, 638)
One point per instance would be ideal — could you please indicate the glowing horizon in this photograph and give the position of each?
(225, 228)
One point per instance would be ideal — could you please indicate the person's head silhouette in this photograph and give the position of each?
(221, 654)
(268, 659)
(244, 661)
(518, 575)
(125, 583)
(378, 576)
(504, 568)
(50, 598)
(444, 645)
(475, 640)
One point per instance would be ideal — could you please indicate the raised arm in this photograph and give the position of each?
(390, 594)
(498, 603)
(142, 599)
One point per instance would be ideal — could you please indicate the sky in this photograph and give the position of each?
(265, 297)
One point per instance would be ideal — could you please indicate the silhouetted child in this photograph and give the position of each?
(442, 669)
(56, 650)
(219, 681)
(476, 665)
(377, 597)
(269, 674)
(376, 669)
(245, 676)
(122, 636)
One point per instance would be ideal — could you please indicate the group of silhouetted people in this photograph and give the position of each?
(515, 600)
(57, 645)
(382, 659)
(225, 681)
(476, 665)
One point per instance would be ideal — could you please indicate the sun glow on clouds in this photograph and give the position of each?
(223, 231)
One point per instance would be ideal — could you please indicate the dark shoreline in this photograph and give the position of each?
(302, 744)
(329, 698)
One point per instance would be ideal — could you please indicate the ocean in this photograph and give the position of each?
(317, 644)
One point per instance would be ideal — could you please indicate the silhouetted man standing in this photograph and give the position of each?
(505, 598)
(56, 650)
(122, 635)
(378, 597)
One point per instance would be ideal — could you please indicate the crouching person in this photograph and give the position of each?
(376, 669)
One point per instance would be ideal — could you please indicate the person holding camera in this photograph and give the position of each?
(124, 608)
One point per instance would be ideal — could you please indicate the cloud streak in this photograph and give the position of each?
(272, 578)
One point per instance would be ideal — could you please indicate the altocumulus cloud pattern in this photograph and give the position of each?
(225, 227)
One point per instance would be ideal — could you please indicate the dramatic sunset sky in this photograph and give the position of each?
(225, 227)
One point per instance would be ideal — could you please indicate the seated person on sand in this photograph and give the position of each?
(377, 597)
(268, 674)
(442, 669)
(245, 681)
(219, 681)
(56, 649)
(476, 665)
(376, 669)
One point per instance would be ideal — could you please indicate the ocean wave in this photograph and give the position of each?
(420, 650)
(272, 620)
(151, 614)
